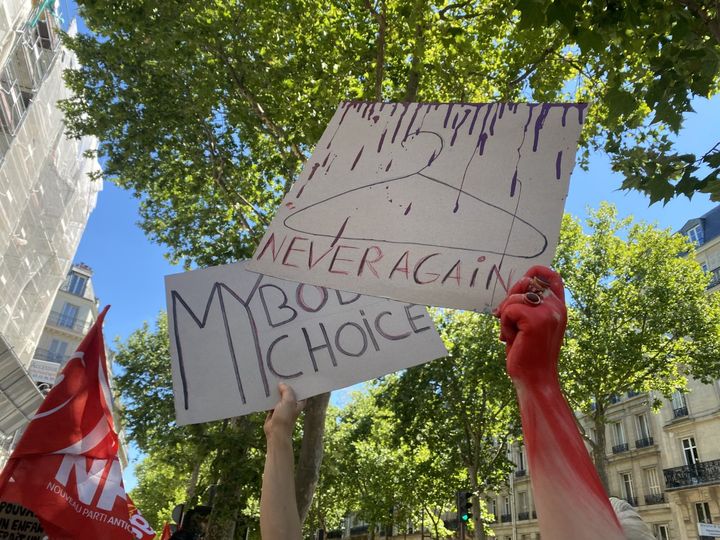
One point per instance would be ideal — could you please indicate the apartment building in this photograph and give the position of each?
(73, 312)
(46, 195)
(665, 463)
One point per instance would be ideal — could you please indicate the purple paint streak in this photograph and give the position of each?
(539, 123)
(472, 124)
(457, 128)
(388, 166)
(312, 172)
(407, 210)
(382, 139)
(558, 165)
(412, 121)
(357, 158)
(447, 114)
(397, 127)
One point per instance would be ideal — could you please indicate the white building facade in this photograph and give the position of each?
(46, 195)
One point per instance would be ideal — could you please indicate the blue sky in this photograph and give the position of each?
(129, 270)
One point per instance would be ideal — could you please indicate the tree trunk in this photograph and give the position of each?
(223, 517)
(418, 54)
(598, 450)
(311, 452)
(192, 481)
(228, 497)
(479, 532)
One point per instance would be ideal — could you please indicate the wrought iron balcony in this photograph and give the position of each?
(619, 448)
(705, 472)
(523, 516)
(505, 518)
(631, 500)
(655, 498)
(520, 472)
(68, 323)
(680, 412)
(644, 443)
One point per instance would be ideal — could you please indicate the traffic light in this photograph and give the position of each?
(464, 506)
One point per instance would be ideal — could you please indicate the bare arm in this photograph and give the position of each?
(279, 518)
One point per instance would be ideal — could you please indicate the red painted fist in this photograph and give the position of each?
(532, 324)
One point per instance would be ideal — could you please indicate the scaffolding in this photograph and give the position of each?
(46, 196)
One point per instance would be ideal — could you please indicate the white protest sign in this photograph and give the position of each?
(234, 335)
(435, 204)
(709, 529)
(19, 523)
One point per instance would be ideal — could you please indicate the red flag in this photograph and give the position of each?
(167, 532)
(65, 467)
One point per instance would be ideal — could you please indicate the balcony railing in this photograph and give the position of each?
(644, 442)
(714, 278)
(49, 356)
(520, 472)
(680, 412)
(505, 518)
(618, 448)
(631, 500)
(66, 322)
(655, 498)
(705, 472)
(523, 516)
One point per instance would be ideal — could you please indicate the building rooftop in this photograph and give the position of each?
(709, 224)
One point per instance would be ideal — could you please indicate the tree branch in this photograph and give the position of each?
(381, 18)
(711, 22)
(449, 7)
(418, 53)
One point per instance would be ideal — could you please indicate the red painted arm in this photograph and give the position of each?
(570, 500)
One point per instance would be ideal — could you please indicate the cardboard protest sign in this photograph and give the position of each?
(234, 335)
(19, 523)
(439, 204)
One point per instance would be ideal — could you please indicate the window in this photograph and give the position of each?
(703, 512)
(690, 452)
(508, 509)
(652, 485)
(695, 235)
(618, 433)
(68, 316)
(678, 400)
(643, 429)
(522, 501)
(492, 507)
(57, 351)
(679, 405)
(662, 532)
(627, 487)
(76, 284)
(521, 458)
